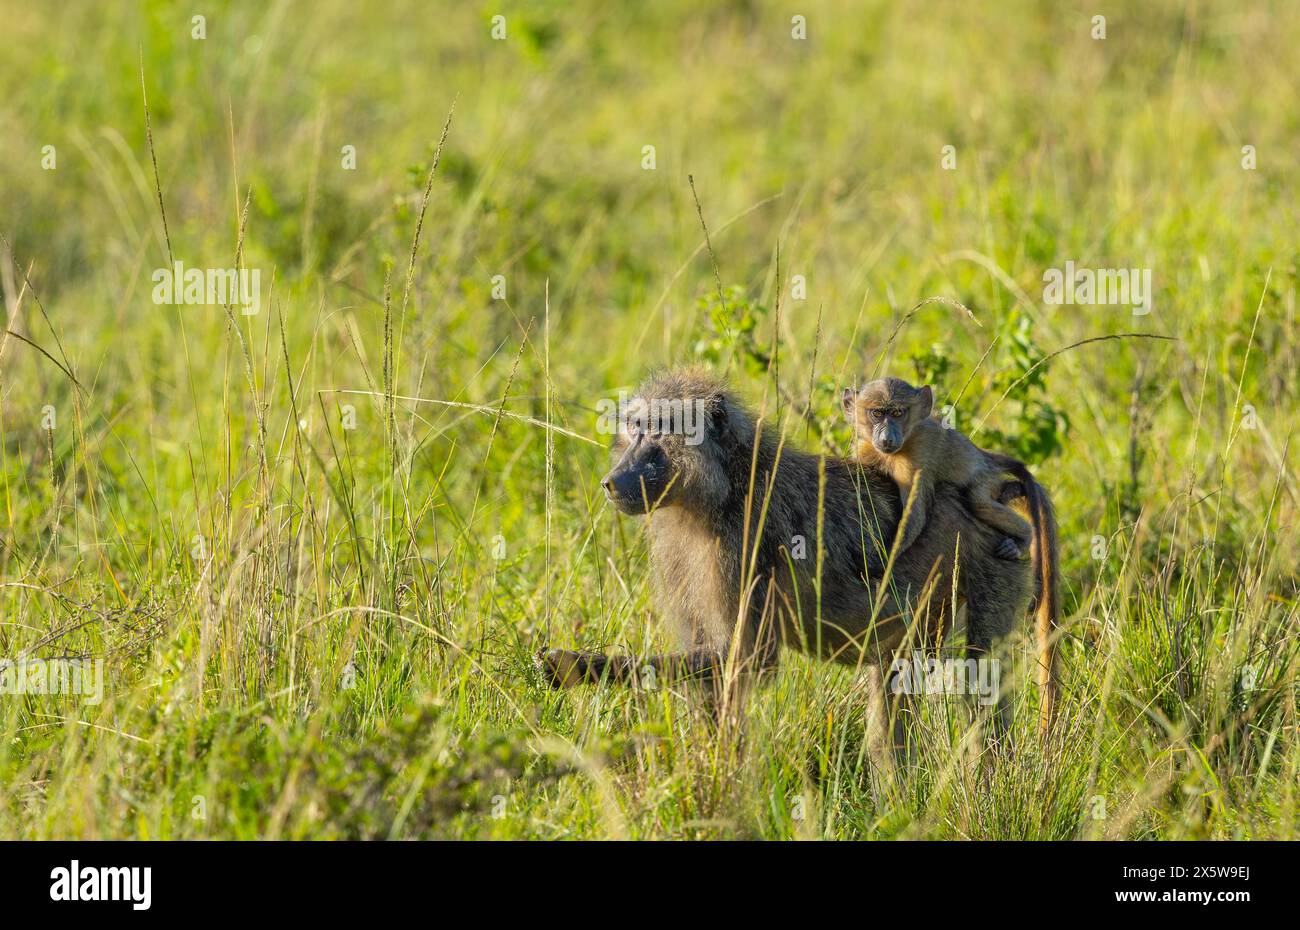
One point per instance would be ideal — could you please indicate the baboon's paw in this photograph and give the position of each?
(1008, 549)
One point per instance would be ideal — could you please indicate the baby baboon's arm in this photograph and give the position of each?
(920, 509)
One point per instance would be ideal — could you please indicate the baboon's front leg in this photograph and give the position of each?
(565, 668)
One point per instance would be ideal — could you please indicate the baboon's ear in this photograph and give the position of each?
(848, 397)
(716, 407)
(924, 402)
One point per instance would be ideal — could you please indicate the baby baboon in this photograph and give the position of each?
(754, 544)
(894, 430)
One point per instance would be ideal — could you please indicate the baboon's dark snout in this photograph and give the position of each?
(621, 486)
(629, 491)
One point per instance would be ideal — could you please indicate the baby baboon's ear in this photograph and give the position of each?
(924, 402)
(848, 397)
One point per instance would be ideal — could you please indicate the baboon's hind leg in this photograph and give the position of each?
(885, 731)
(1002, 518)
(996, 602)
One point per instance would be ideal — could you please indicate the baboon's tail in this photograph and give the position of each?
(1046, 568)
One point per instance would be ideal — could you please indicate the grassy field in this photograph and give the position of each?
(316, 588)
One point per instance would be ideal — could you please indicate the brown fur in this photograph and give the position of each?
(722, 546)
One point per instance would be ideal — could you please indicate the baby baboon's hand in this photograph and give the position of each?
(1008, 549)
(564, 668)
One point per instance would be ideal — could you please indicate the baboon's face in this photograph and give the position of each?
(643, 476)
(887, 411)
(667, 454)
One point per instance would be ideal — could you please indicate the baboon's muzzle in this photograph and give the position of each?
(638, 480)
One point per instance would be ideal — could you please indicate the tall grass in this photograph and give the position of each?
(317, 547)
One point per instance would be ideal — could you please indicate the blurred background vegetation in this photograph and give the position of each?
(312, 630)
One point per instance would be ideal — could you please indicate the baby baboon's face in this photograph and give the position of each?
(887, 411)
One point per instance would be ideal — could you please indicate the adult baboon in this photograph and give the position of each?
(754, 544)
